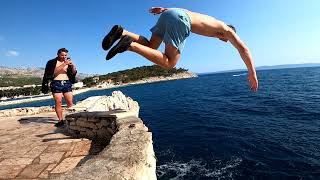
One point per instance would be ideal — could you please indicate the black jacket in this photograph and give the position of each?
(49, 75)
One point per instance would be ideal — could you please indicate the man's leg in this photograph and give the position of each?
(117, 32)
(166, 60)
(154, 42)
(68, 96)
(58, 105)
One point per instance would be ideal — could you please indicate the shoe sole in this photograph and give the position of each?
(115, 49)
(110, 38)
(59, 125)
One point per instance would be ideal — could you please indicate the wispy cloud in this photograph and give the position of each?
(12, 53)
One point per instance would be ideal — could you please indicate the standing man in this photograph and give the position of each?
(173, 27)
(61, 72)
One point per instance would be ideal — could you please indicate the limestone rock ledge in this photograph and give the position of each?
(107, 103)
(129, 155)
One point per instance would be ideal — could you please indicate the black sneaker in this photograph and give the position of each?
(114, 34)
(122, 46)
(60, 123)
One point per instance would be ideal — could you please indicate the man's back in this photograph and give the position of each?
(206, 25)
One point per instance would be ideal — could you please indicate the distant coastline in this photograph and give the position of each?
(177, 76)
(282, 66)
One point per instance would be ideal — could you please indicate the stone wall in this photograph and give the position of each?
(92, 125)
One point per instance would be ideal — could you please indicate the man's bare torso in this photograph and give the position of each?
(62, 75)
(206, 25)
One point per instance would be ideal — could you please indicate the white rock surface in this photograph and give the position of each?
(25, 111)
(106, 103)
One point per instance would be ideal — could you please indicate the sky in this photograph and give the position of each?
(276, 32)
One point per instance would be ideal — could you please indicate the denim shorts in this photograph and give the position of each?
(173, 26)
(61, 86)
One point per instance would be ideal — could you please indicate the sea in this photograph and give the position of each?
(214, 127)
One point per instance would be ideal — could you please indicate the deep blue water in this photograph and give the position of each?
(213, 127)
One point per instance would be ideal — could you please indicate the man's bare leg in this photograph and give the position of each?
(68, 96)
(58, 105)
(166, 60)
(154, 42)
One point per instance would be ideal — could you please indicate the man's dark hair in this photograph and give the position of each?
(62, 50)
(233, 28)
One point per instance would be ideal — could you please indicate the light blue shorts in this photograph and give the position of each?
(173, 26)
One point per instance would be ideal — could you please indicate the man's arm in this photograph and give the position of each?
(60, 69)
(245, 55)
(73, 67)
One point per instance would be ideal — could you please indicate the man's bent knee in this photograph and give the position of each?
(170, 65)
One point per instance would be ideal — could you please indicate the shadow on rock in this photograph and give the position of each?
(93, 148)
(45, 120)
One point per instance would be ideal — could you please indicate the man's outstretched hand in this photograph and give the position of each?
(253, 81)
(157, 10)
